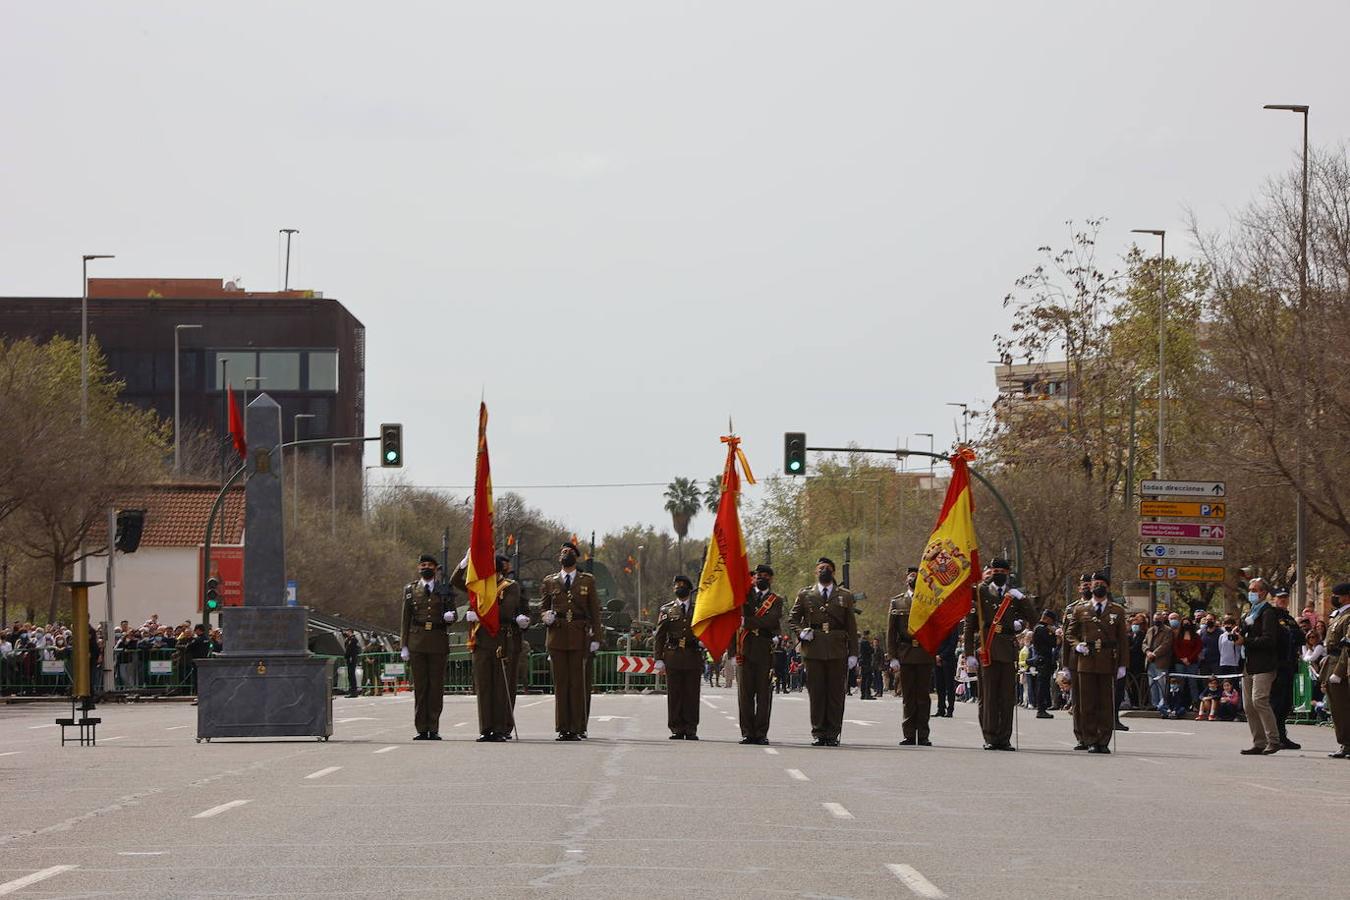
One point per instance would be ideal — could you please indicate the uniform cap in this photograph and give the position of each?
(763, 569)
(1100, 576)
(685, 578)
(1086, 578)
(999, 563)
(566, 544)
(827, 561)
(1051, 615)
(910, 570)
(1342, 589)
(428, 558)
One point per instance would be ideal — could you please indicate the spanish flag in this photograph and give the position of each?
(950, 565)
(726, 572)
(480, 575)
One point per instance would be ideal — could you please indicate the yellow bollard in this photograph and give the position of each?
(79, 626)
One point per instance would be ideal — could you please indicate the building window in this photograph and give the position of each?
(281, 368)
(323, 370)
(241, 364)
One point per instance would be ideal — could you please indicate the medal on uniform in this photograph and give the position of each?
(428, 626)
(825, 627)
(569, 615)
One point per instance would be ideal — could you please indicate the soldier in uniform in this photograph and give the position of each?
(494, 656)
(913, 666)
(1000, 610)
(827, 626)
(679, 656)
(1069, 660)
(1335, 676)
(1098, 636)
(423, 635)
(756, 641)
(570, 609)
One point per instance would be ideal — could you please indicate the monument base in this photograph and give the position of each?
(264, 696)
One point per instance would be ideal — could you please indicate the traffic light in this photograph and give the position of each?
(130, 523)
(794, 453)
(212, 594)
(391, 446)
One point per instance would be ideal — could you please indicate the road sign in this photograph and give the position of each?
(1182, 489)
(1180, 573)
(1182, 510)
(1182, 530)
(637, 665)
(1181, 551)
(292, 593)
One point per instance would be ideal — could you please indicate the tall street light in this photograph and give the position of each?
(286, 284)
(1162, 338)
(929, 435)
(177, 429)
(965, 421)
(639, 574)
(332, 480)
(295, 464)
(84, 336)
(1300, 511)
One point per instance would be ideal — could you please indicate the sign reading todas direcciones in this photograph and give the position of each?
(1183, 489)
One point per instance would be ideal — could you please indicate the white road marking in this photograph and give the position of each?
(797, 774)
(861, 722)
(176, 727)
(120, 737)
(387, 749)
(1147, 760)
(11, 753)
(217, 810)
(458, 724)
(356, 719)
(142, 852)
(711, 705)
(322, 772)
(911, 878)
(1187, 733)
(1261, 786)
(532, 703)
(19, 884)
(609, 718)
(34, 727)
(837, 810)
(771, 751)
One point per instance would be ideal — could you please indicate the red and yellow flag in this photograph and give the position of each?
(726, 571)
(950, 564)
(481, 574)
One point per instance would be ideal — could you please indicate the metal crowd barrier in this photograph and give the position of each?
(386, 673)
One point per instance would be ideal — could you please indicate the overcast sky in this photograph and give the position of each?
(627, 221)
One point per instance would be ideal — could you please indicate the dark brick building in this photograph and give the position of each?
(309, 349)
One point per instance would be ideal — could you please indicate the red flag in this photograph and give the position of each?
(726, 572)
(236, 424)
(481, 574)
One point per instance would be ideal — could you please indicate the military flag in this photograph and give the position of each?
(950, 565)
(480, 575)
(236, 424)
(726, 572)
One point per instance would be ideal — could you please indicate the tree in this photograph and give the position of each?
(682, 502)
(712, 494)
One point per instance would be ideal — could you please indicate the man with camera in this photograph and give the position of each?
(428, 610)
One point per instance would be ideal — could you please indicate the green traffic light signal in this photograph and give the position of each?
(794, 453)
(391, 445)
(212, 594)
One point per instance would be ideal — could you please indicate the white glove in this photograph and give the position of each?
(1082, 648)
(895, 665)
(549, 617)
(853, 662)
(1018, 624)
(806, 634)
(523, 621)
(595, 645)
(660, 666)
(1016, 594)
(1335, 679)
(404, 654)
(775, 641)
(450, 616)
(1120, 673)
(469, 616)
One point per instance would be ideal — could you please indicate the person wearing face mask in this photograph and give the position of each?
(495, 655)
(1335, 674)
(679, 656)
(999, 611)
(826, 622)
(761, 618)
(1069, 660)
(1158, 656)
(1288, 643)
(1259, 637)
(570, 609)
(426, 643)
(1099, 638)
(914, 667)
(1137, 669)
(1043, 661)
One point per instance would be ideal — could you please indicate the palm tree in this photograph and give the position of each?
(712, 494)
(682, 502)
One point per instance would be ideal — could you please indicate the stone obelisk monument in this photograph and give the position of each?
(264, 683)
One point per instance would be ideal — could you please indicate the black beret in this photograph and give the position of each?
(999, 563)
(1100, 576)
(685, 578)
(763, 569)
(911, 569)
(570, 544)
(502, 558)
(427, 557)
(1050, 614)
(826, 560)
(1086, 578)
(1342, 589)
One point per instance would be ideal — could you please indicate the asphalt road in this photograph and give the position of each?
(1176, 812)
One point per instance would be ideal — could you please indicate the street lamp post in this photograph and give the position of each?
(965, 421)
(1161, 234)
(257, 380)
(295, 464)
(332, 481)
(177, 427)
(639, 573)
(84, 364)
(1300, 510)
(929, 435)
(286, 283)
